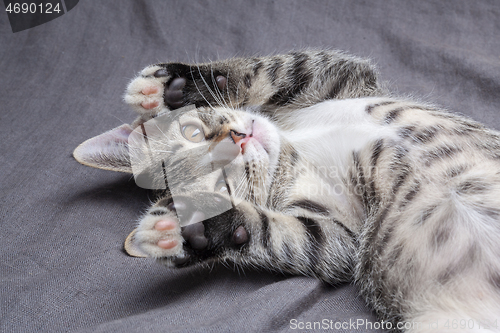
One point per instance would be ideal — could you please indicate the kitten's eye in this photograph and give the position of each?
(221, 187)
(193, 133)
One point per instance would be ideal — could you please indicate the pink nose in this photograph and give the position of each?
(241, 139)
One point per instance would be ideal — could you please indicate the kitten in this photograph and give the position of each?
(323, 176)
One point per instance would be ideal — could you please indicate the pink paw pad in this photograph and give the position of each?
(167, 244)
(165, 225)
(150, 105)
(149, 91)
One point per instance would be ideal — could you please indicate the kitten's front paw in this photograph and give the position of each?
(155, 90)
(173, 85)
(159, 235)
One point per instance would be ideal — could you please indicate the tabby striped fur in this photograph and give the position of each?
(401, 197)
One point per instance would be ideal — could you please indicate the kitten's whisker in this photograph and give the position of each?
(239, 186)
(163, 151)
(159, 129)
(227, 91)
(149, 138)
(220, 97)
(209, 89)
(237, 92)
(198, 89)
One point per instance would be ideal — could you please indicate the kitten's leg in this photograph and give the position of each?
(287, 81)
(298, 241)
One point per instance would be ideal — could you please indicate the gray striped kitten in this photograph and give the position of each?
(338, 182)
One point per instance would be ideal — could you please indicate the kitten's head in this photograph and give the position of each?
(204, 149)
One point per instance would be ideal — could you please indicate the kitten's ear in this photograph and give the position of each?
(108, 151)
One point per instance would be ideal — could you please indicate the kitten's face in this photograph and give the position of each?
(207, 149)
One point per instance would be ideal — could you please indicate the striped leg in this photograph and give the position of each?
(287, 81)
(298, 241)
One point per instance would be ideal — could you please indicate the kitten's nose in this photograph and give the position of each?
(237, 136)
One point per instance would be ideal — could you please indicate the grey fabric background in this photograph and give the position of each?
(62, 268)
